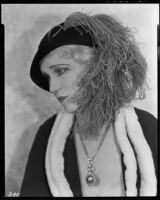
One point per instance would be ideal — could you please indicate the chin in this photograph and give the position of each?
(69, 108)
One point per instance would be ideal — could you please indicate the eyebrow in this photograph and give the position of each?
(52, 66)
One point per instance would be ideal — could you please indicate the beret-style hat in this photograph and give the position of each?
(56, 37)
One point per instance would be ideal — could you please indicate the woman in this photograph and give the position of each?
(97, 144)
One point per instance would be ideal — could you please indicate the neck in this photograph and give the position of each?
(88, 131)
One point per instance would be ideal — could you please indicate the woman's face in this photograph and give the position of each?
(63, 72)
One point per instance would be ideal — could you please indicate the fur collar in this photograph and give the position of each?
(126, 125)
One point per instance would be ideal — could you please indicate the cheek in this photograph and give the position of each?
(69, 82)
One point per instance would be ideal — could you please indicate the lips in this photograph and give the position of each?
(61, 99)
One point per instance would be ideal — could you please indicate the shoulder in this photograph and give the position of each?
(144, 115)
(47, 124)
(34, 180)
(150, 130)
(45, 129)
(147, 120)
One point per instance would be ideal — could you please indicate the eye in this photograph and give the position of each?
(60, 71)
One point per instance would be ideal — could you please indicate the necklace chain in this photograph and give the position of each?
(98, 148)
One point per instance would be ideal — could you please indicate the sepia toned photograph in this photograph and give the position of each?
(81, 100)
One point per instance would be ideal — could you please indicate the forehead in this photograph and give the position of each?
(58, 54)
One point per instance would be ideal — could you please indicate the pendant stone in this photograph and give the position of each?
(91, 177)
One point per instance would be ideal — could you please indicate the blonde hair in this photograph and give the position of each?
(79, 53)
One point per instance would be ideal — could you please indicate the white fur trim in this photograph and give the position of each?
(144, 154)
(54, 156)
(129, 157)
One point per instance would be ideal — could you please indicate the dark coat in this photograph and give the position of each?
(35, 181)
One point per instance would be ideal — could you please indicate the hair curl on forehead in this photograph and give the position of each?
(115, 75)
(79, 53)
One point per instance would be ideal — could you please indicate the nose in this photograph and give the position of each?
(54, 86)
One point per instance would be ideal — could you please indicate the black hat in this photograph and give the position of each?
(56, 37)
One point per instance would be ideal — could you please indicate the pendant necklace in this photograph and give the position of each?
(91, 178)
